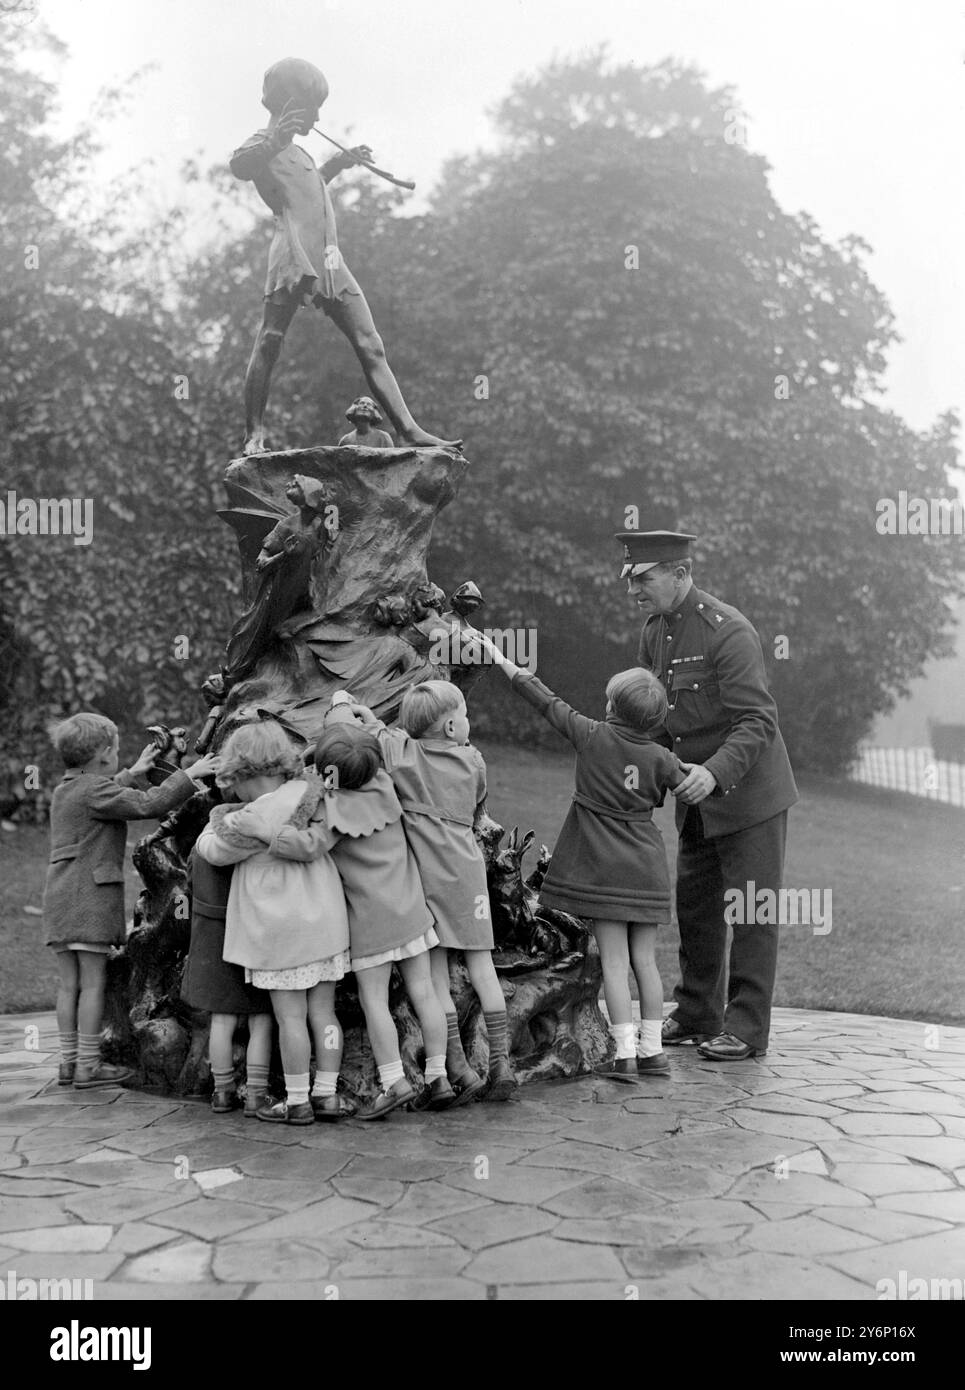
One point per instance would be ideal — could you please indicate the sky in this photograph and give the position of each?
(858, 105)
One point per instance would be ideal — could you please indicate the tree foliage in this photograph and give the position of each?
(611, 309)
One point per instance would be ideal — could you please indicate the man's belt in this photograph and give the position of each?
(614, 812)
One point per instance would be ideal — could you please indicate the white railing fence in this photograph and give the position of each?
(913, 770)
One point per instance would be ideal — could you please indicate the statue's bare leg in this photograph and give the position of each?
(354, 317)
(268, 340)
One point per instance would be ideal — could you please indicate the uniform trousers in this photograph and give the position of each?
(708, 999)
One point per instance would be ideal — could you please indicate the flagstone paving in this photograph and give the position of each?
(836, 1161)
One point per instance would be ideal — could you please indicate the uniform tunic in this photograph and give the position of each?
(84, 890)
(383, 893)
(440, 785)
(609, 861)
(721, 712)
(304, 252)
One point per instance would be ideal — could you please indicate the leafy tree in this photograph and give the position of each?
(91, 408)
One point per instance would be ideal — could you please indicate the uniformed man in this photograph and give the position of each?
(731, 808)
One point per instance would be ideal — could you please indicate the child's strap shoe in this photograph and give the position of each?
(223, 1102)
(467, 1086)
(399, 1094)
(101, 1074)
(502, 1080)
(281, 1113)
(437, 1095)
(657, 1065)
(330, 1109)
(65, 1073)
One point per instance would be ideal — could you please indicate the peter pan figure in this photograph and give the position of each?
(305, 266)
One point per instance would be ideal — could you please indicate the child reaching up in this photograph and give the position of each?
(609, 864)
(84, 891)
(441, 781)
(389, 923)
(285, 922)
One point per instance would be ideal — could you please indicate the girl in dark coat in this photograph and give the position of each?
(217, 985)
(609, 864)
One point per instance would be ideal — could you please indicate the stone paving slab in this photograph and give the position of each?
(834, 1162)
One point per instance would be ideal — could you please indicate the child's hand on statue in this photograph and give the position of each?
(145, 760)
(203, 767)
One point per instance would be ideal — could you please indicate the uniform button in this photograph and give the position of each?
(696, 686)
(700, 605)
(671, 707)
(677, 740)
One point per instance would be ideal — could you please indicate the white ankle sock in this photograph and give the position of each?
(435, 1067)
(326, 1083)
(651, 1044)
(622, 1035)
(390, 1074)
(296, 1089)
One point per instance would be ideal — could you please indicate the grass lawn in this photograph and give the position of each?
(895, 866)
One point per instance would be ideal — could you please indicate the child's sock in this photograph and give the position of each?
(296, 1089)
(498, 1034)
(457, 1064)
(88, 1050)
(257, 1078)
(390, 1074)
(622, 1035)
(326, 1083)
(435, 1068)
(68, 1046)
(224, 1080)
(651, 1043)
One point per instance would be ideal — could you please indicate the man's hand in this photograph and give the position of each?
(145, 760)
(696, 786)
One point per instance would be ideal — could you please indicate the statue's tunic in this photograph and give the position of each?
(304, 253)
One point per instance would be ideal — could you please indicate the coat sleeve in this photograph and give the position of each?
(644, 652)
(215, 850)
(745, 698)
(564, 719)
(304, 845)
(113, 799)
(392, 743)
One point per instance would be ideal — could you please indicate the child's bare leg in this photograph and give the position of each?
(257, 1059)
(258, 1053)
(373, 987)
(68, 990)
(291, 1011)
(612, 939)
(275, 323)
(643, 940)
(416, 973)
(458, 1070)
(91, 1071)
(485, 981)
(326, 1029)
(354, 317)
(221, 1047)
(90, 1004)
